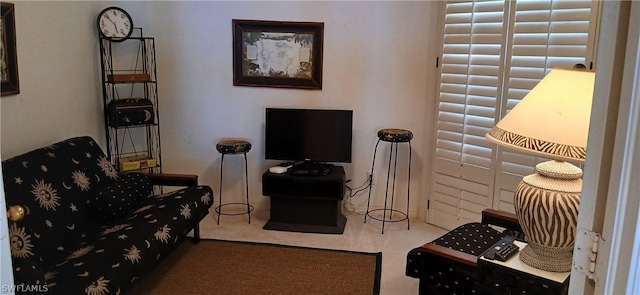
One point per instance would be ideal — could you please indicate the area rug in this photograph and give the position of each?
(227, 267)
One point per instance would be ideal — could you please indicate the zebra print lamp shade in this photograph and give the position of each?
(551, 121)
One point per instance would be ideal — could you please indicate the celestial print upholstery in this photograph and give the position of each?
(119, 197)
(395, 135)
(233, 146)
(61, 244)
(443, 276)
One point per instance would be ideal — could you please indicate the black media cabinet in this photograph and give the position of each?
(302, 203)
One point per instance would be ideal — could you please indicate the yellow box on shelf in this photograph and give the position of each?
(136, 163)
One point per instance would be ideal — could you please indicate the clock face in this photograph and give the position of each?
(115, 24)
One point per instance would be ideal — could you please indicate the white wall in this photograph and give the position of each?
(379, 61)
(57, 51)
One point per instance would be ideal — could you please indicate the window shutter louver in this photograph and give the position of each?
(473, 42)
(493, 54)
(546, 35)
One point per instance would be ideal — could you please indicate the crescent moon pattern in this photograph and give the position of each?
(25, 163)
(74, 161)
(65, 185)
(97, 178)
(147, 115)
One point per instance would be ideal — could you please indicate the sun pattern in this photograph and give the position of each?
(163, 234)
(206, 198)
(81, 180)
(185, 211)
(45, 195)
(132, 254)
(20, 242)
(98, 287)
(107, 168)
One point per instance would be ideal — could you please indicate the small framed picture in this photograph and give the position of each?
(8, 58)
(277, 54)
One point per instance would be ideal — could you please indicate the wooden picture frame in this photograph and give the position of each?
(277, 54)
(8, 58)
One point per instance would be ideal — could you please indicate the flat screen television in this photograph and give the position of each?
(309, 135)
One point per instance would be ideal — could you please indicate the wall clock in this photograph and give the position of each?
(115, 24)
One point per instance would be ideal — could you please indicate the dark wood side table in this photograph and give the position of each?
(303, 203)
(515, 277)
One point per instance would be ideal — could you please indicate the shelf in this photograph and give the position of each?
(128, 72)
(133, 126)
(127, 78)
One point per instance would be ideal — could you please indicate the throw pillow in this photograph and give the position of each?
(120, 197)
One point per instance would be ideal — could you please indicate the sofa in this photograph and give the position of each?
(88, 229)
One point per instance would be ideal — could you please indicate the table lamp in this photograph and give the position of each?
(551, 121)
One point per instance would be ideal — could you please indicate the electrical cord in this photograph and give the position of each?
(348, 204)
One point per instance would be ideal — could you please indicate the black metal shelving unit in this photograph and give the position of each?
(129, 73)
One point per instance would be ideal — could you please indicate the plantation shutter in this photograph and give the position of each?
(493, 53)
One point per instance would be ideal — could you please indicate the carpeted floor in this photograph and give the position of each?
(226, 267)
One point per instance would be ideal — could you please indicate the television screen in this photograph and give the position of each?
(308, 135)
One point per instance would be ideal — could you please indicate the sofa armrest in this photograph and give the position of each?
(450, 254)
(169, 179)
(501, 219)
(173, 179)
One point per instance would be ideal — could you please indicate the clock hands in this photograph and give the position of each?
(114, 23)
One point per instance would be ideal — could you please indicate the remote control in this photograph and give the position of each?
(506, 252)
(502, 250)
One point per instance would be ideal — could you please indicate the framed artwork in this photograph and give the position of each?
(277, 54)
(8, 58)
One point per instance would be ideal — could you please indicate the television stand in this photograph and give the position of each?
(311, 169)
(300, 203)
